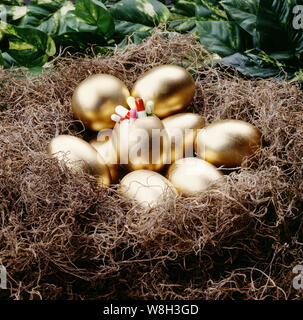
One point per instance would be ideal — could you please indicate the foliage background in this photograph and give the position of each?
(256, 37)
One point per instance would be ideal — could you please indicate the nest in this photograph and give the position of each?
(64, 237)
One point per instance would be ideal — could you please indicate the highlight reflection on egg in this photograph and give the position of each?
(79, 155)
(169, 86)
(147, 187)
(94, 100)
(227, 142)
(190, 176)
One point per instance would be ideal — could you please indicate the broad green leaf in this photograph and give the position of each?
(185, 8)
(143, 12)
(250, 67)
(277, 35)
(183, 25)
(209, 10)
(243, 12)
(201, 9)
(68, 30)
(12, 14)
(298, 76)
(65, 21)
(9, 61)
(94, 12)
(28, 47)
(191, 11)
(183, 18)
(136, 18)
(136, 32)
(126, 28)
(1, 59)
(61, 21)
(221, 37)
(39, 11)
(13, 2)
(136, 38)
(253, 65)
(79, 41)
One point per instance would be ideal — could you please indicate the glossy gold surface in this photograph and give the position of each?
(146, 187)
(227, 142)
(104, 135)
(182, 139)
(95, 99)
(109, 154)
(190, 176)
(131, 138)
(169, 86)
(79, 155)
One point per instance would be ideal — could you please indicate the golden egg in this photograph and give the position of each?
(190, 176)
(141, 145)
(182, 132)
(170, 87)
(109, 154)
(104, 135)
(228, 142)
(79, 155)
(94, 100)
(147, 187)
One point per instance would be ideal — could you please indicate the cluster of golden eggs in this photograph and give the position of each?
(171, 88)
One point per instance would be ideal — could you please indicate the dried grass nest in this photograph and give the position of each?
(64, 237)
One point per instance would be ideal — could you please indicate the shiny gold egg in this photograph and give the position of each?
(182, 132)
(104, 135)
(170, 87)
(109, 154)
(227, 142)
(94, 100)
(79, 155)
(147, 187)
(141, 145)
(190, 176)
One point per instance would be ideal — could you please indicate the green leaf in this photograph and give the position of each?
(13, 2)
(127, 32)
(209, 10)
(142, 12)
(9, 61)
(221, 37)
(185, 8)
(61, 21)
(298, 76)
(191, 11)
(1, 59)
(277, 35)
(65, 21)
(94, 12)
(136, 37)
(243, 12)
(136, 18)
(68, 30)
(124, 28)
(253, 65)
(28, 47)
(39, 11)
(183, 25)
(12, 13)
